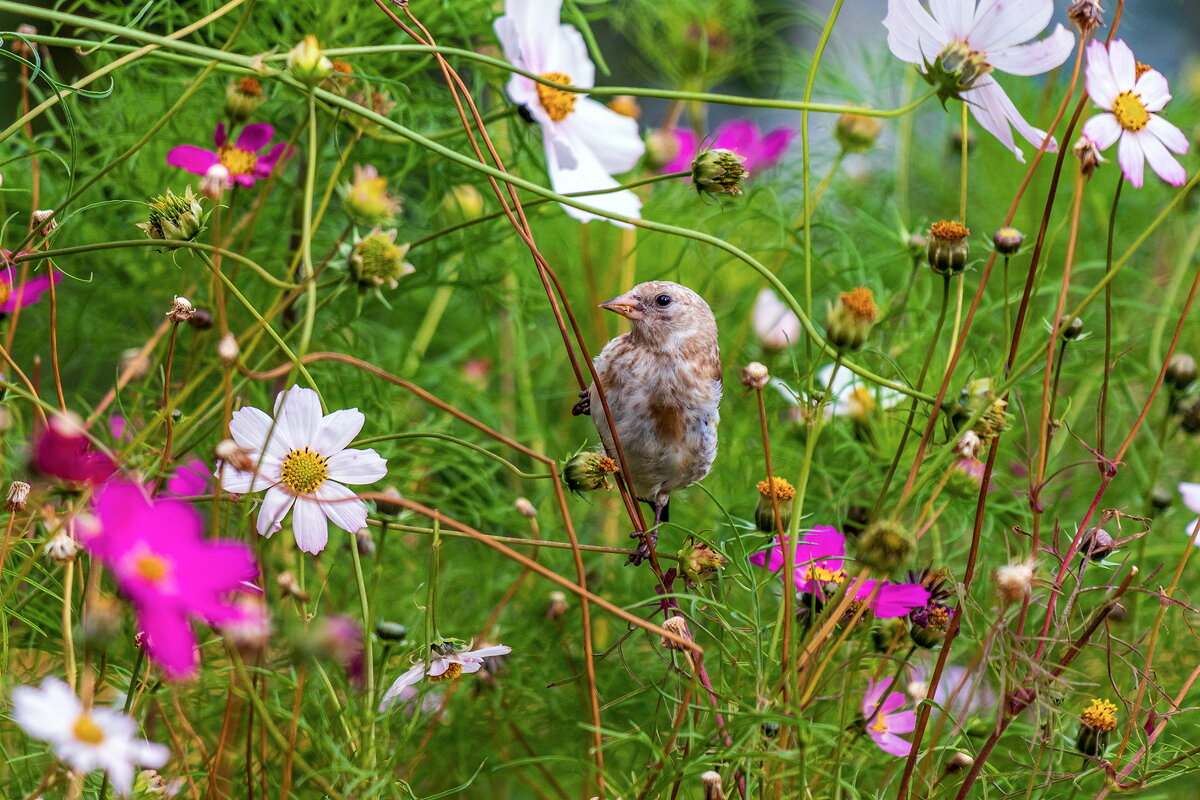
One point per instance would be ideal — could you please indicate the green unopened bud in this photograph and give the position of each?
(948, 247)
(885, 545)
(1071, 328)
(719, 171)
(174, 216)
(307, 63)
(462, 203)
(1181, 371)
(366, 200)
(955, 70)
(856, 133)
(769, 492)
(391, 631)
(698, 560)
(851, 318)
(588, 471)
(242, 98)
(376, 260)
(1008, 241)
(662, 146)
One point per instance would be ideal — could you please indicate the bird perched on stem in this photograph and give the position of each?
(662, 381)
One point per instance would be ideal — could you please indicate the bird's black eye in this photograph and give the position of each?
(663, 300)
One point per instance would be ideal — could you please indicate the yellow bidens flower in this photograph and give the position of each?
(769, 491)
(1095, 723)
(850, 319)
(307, 63)
(948, 247)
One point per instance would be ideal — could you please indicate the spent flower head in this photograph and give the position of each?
(719, 171)
(377, 261)
(174, 216)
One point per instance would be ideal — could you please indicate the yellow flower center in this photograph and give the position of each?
(860, 303)
(1130, 112)
(151, 568)
(1101, 715)
(860, 404)
(825, 575)
(557, 102)
(607, 464)
(453, 670)
(87, 731)
(5, 290)
(237, 160)
(951, 231)
(778, 487)
(880, 725)
(303, 470)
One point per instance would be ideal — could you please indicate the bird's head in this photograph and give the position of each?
(665, 314)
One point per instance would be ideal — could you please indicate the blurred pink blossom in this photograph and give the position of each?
(62, 450)
(739, 135)
(25, 294)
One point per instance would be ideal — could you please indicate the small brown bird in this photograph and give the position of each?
(662, 381)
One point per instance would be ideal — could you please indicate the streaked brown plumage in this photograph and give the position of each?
(662, 381)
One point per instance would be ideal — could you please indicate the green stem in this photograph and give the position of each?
(368, 656)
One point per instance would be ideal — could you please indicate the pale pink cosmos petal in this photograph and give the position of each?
(955, 16)
(1174, 139)
(1036, 57)
(47, 712)
(238, 482)
(612, 137)
(1193, 531)
(1103, 130)
(490, 650)
(999, 24)
(470, 666)
(1162, 162)
(572, 57)
(1122, 63)
(410, 677)
(913, 35)
(309, 525)
(255, 137)
(250, 427)
(1132, 159)
(337, 429)
(275, 506)
(1153, 90)
(1102, 87)
(342, 506)
(298, 413)
(357, 466)
(1190, 494)
(195, 160)
(995, 112)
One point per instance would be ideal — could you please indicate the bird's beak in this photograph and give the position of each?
(626, 305)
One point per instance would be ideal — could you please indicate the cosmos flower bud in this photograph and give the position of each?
(1097, 544)
(18, 492)
(948, 247)
(712, 785)
(228, 349)
(462, 203)
(851, 318)
(391, 631)
(1070, 328)
(307, 63)
(366, 200)
(174, 216)
(958, 762)
(525, 508)
(242, 98)
(956, 69)
(1008, 241)
(1014, 581)
(626, 106)
(391, 509)
(764, 514)
(43, 222)
(202, 320)
(678, 626)
(216, 182)
(231, 453)
(719, 171)
(698, 560)
(856, 133)
(1189, 414)
(969, 445)
(181, 309)
(364, 542)
(662, 146)
(588, 471)
(885, 545)
(60, 548)
(1086, 14)
(1181, 371)
(1089, 156)
(1095, 723)
(755, 375)
(376, 260)
(556, 606)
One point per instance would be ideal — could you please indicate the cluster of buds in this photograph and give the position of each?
(719, 171)
(955, 70)
(769, 492)
(366, 200)
(698, 560)
(307, 63)
(376, 260)
(588, 471)
(948, 247)
(1095, 723)
(850, 319)
(885, 545)
(856, 133)
(242, 98)
(174, 216)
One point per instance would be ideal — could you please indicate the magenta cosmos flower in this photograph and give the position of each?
(13, 296)
(242, 158)
(161, 562)
(62, 450)
(883, 720)
(819, 572)
(1131, 94)
(994, 33)
(739, 135)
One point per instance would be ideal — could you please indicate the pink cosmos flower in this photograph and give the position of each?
(445, 663)
(242, 158)
(27, 293)
(63, 451)
(819, 572)
(189, 479)
(884, 722)
(161, 562)
(995, 32)
(1130, 94)
(775, 324)
(739, 135)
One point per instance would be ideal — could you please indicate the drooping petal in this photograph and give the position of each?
(309, 526)
(170, 640)
(275, 506)
(255, 137)
(1163, 163)
(1000, 24)
(336, 430)
(342, 506)
(1132, 160)
(913, 35)
(1103, 130)
(995, 112)
(298, 414)
(489, 651)
(612, 137)
(1102, 87)
(1036, 57)
(1174, 139)
(195, 160)
(357, 466)
(408, 678)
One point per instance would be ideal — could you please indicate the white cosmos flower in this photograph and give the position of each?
(1191, 499)
(100, 738)
(586, 143)
(1131, 94)
(851, 396)
(303, 463)
(994, 31)
(444, 664)
(776, 325)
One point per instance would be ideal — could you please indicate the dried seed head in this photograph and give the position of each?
(1086, 14)
(1089, 156)
(18, 492)
(61, 548)
(181, 310)
(755, 375)
(1097, 544)
(712, 785)
(1014, 581)
(556, 606)
(969, 445)
(228, 349)
(958, 762)
(678, 626)
(43, 222)
(231, 453)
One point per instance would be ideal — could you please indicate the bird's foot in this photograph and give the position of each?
(643, 549)
(584, 406)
